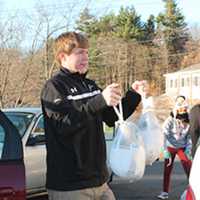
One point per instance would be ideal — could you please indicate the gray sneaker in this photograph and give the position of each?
(163, 195)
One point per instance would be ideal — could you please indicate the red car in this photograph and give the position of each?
(12, 170)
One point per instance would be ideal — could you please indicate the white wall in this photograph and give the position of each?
(187, 84)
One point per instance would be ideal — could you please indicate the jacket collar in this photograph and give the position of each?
(75, 75)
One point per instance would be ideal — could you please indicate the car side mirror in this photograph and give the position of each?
(31, 141)
(36, 140)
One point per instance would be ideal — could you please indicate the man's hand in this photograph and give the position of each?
(112, 94)
(141, 87)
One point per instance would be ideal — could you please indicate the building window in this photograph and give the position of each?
(176, 83)
(196, 81)
(171, 84)
(188, 81)
(182, 82)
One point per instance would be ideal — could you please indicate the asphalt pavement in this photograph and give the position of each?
(149, 186)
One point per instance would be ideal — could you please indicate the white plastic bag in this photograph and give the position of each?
(127, 155)
(152, 135)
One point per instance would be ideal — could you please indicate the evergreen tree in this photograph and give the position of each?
(149, 30)
(172, 25)
(87, 23)
(106, 24)
(128, 24)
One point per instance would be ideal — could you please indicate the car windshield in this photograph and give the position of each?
(21, 120)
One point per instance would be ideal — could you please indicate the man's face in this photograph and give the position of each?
(77, 61)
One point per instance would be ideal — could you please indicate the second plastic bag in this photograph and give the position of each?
(152, 135)
(127, 155)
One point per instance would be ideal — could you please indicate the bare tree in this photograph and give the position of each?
(10, 40)
(195, 32)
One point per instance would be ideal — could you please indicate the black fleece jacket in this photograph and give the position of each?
(74, 111)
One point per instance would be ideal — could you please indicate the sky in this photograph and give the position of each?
(144, 8)
(190, 8)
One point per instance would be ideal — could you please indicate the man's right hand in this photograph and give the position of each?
(141, 87)
(112, 94)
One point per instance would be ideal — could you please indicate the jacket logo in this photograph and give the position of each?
(91, 87)
(73, 90)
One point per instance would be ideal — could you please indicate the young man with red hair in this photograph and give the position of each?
(74, 109)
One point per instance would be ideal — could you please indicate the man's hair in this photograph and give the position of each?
(67, 41)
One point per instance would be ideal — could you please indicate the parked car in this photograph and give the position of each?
(12, 170)
(29, 123)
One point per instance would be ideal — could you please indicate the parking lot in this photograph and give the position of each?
(149, 186)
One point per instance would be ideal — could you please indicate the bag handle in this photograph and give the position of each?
(119, 112)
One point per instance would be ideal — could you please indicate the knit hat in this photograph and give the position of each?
(181, 105)
(180, 110)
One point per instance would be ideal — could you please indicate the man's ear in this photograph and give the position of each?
(62, 56)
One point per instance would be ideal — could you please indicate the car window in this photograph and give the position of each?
(37, 136)
(11, 144)
(2, 139)
(108, 131)
(39, 128)
(21, 120)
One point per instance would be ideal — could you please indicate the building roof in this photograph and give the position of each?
(191, 68)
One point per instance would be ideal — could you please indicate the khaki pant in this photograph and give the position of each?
(96, 193)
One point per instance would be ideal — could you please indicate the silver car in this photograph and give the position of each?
(29, 122)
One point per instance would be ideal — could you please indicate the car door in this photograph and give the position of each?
(109, 135)
(12, 171)
(35, 158)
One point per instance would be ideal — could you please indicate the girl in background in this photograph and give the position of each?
(177, 142)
